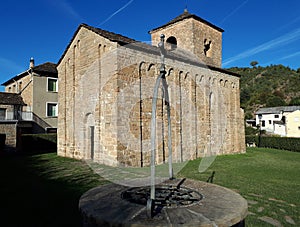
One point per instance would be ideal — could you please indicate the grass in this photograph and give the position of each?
(44, 190)
(267, 178)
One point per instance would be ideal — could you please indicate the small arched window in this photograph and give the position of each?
(171, 43)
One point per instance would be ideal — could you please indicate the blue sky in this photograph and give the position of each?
(267, 31)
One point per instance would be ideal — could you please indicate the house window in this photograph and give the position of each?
(263, 123)
(52, 109)
(20, 86)
(276, 116)
(2, 113)
(270, 122)
(52, 84)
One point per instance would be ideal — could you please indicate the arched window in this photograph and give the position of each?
(207, 47)
(171, 43)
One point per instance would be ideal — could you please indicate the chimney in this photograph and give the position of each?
(31, 63)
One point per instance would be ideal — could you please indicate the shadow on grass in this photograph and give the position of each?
(42, 190)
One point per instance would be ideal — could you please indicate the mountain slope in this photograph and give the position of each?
(274, 85)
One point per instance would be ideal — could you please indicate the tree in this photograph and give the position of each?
(275, 101)
(254, 63)
(295, 101)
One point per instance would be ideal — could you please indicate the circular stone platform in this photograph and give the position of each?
(218, 206)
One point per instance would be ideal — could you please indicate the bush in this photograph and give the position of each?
(251, 131)
(250, 139)
(283, 143)
(39, 143)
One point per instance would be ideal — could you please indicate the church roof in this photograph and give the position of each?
(110, 35)
(187, 15)
(123, 40)
(48, 69)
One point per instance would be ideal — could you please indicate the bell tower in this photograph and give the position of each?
(193, 34)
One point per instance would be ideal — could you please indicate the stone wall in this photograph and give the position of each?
(105, 101)
(79, 95)
(10, 129)
(191, 35)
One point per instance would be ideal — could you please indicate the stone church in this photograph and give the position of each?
(106, 84)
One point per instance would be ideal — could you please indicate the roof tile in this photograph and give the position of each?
(187, 15)
(11, 99)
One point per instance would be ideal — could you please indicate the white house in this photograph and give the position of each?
(281, 120)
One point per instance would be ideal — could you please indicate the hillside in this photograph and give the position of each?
(274, 85)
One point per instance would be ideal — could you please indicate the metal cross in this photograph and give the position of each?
(160, 78)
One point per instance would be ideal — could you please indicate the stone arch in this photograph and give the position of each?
(171, 43)
(78, 43)
(170, 71)
(226, 84)
(214, 81)
(186, 75)
(221, 82)
(201, 78)
(150, 67)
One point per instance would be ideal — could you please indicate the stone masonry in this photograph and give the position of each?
(106, 91)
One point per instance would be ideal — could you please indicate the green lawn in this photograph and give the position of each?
(267, 178)
(43, 190)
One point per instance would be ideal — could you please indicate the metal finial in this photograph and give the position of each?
(186, 7)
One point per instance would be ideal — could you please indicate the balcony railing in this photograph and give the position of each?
(17, 116)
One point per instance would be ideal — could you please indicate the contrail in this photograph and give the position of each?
(119, 10)
(65, 6)
(289, 24)
(280, 41)
(234, 11)
(290, 56)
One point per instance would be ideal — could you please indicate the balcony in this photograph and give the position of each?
(16, 116)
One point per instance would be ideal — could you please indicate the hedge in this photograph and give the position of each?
(252, 139)
(39, 143)
(283, 143)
